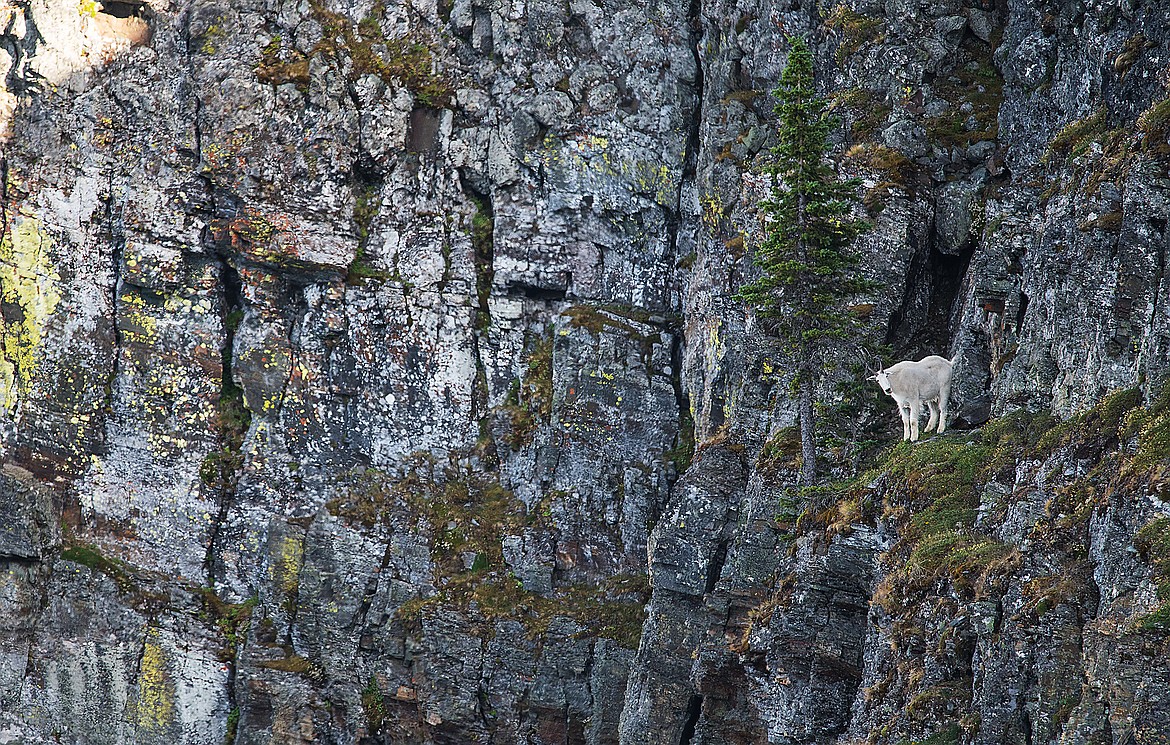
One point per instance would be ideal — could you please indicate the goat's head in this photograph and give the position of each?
(882, 378)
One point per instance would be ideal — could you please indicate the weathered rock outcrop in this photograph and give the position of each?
(355, 356)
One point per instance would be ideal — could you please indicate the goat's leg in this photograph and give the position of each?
(904, 412)
(944, 395)
(933, 422)
(915, 415)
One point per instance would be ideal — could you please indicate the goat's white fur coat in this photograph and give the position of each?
(912, 384)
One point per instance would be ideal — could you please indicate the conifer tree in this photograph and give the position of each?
(806, 256)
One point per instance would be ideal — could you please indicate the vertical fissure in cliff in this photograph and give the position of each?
(220, 470)
(923, 323)
(483, 257)
(694, 711)
(684, 446)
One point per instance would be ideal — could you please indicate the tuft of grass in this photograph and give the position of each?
(1153, 544)
(1074, 138)
(373, 706)
(1155, 121)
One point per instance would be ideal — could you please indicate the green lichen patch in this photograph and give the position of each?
(781, 451)
(155, 707)
(29, 290)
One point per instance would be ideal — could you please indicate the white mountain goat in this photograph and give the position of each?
(912, 384)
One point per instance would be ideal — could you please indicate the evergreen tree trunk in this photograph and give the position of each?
(808, 442)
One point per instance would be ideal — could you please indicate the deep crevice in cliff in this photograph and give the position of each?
(694, 711)
(220, 470)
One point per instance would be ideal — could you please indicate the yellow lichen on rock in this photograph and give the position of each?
(156, 701)
(286, 570)
(28, 280)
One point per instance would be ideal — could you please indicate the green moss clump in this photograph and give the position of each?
(613, 318)
(978, 84)
(614, 609)
(531, 399)
(855, 30)
(866, 112)
(483, 247)
(891, 164)
(232, 620)
(406, 60)
(683, 451)
(89, 555)
(781, 450)
(949, 735)
(233, 726)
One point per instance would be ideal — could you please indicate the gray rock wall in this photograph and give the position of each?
(373, 373)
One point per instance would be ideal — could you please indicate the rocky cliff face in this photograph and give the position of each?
(372, 373)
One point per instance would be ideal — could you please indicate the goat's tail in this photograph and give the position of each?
(954, 359)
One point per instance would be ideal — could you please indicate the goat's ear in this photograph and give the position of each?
(872, 377)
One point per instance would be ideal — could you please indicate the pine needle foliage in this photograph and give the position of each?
(809, 268)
